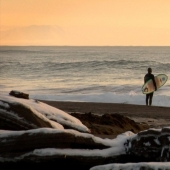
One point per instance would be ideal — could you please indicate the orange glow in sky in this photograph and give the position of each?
(85, 22)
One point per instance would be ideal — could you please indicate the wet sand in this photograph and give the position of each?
(153, 116)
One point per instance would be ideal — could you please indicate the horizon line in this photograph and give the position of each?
(84, 45)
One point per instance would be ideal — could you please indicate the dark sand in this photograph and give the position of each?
(148, 116)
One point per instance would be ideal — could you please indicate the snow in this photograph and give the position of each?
(45, 111)
(116, 145)
(135, 166)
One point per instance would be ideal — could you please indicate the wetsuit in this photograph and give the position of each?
(149, 96)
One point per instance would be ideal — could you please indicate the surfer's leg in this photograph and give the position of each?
(147, 97)
(150, 98)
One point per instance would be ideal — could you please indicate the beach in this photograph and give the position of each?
(75, 131)
(148, 116)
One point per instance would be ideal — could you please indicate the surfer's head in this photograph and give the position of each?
(149, 70)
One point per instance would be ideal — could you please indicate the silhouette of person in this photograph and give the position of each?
(147, 77)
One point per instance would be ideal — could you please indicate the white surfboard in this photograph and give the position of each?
(149, 87)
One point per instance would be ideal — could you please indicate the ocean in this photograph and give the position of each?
(107, 74)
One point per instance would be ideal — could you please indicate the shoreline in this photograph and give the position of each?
(154, 116)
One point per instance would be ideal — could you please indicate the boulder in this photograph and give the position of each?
(45, 147)
(109, 124)
(24, 114)
(19, 94)
(152, 144)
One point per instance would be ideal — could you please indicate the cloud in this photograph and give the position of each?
(33, 35)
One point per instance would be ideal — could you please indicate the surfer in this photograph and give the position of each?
(147, 77)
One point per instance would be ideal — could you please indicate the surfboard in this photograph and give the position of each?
(160, 80)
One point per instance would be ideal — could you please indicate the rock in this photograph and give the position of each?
(45, 138)
(34, 114)
(109, 124)
(25, 149)
(19, 117)
(19, 94)
(63, 162)
(12, 122)
(40, 144)
(152, 144)
(134, 166)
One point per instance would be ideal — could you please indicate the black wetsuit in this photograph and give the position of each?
(149, 96)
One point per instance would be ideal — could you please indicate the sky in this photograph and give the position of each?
(85, 22)
(115, 146)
